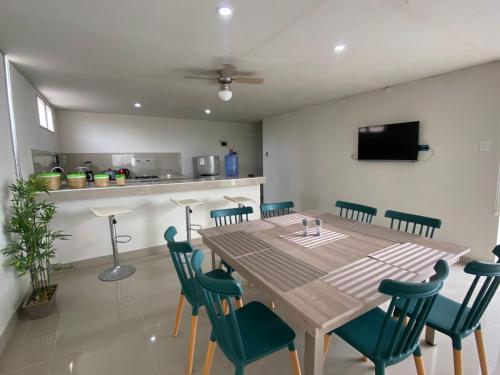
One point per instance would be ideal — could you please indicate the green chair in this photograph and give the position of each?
(180, 253)
(459, 320)
(496, 251)
(353, 211)
(275, 209)
(386, 341)
(244, 335)
(415, 224)
(230, 215)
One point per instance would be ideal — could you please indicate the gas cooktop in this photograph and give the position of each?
(146, 178)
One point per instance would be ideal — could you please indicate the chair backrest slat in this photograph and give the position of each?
(275, 209)
(488, 276)
(179, 252)
(355, 211)
(415, 224)
(404, 338)
(230, 215)
(225, 327)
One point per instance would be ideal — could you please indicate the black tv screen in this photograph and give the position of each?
(389, 142)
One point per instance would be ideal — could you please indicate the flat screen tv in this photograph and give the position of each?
(389, 142)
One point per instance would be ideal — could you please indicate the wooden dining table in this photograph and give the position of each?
(323, 281)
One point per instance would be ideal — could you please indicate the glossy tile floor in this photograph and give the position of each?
(125, 328)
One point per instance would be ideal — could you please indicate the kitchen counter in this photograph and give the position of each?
(152, 212)
(144, 188)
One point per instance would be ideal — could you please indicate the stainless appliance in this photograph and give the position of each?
(207, 165)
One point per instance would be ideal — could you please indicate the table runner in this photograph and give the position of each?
(362, 278)
(412, 257)
(276, 267)
(239, 243)
(311, 241)
(290, 219)
(370, 229)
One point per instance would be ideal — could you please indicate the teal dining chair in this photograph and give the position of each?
(415, 224)
(244, 335)
(496, 252)
(275, 209)
(387, 341)
(355, 211)
(180, 253)
(459, 320)
(230, 215)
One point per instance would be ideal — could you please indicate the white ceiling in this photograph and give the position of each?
(103, 55)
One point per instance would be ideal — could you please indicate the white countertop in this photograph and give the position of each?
(162, 186)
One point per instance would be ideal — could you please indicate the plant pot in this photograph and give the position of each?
(101, 180)
(40, 310)
(77, 180)
(53, 180)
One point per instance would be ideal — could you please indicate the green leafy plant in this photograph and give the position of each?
(32, 243)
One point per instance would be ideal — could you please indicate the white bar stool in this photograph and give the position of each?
(187, 204)
(240, 201)
(117, 272)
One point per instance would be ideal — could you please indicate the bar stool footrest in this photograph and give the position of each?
(123, 238)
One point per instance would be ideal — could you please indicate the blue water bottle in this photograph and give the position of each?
(231, 164)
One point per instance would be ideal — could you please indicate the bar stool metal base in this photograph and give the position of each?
(117, 273)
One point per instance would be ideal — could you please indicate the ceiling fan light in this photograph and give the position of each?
(225, 11)
(225, 95)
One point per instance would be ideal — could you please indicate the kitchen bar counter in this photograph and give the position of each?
(163, 186)
(152, 212)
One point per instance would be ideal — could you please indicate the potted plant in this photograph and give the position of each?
(32, 243)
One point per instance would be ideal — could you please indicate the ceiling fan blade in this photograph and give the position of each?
(227, 70)
(253, 81)
(202, 77)
(244, 73)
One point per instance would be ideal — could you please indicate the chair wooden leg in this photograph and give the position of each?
(209, 358)
(239, 303)
(419, 364)
(457, 361)
(178, 315)
(225, 307)
(364, 358)
(294, 358)
(192, 342)
(481, 351)
(327, 340)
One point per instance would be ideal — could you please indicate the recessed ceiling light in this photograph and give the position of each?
(339, 47)
(225, 11)
(208, 111)
(137, 105)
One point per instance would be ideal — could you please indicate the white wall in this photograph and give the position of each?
(310, 154)
(12, 289)
(95, 132)
(31, 136)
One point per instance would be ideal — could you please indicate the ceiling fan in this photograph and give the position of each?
(227, 75)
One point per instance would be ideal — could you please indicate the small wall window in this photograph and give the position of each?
(45, 115)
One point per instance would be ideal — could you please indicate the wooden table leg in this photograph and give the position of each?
(213, 259)
(313, 356)
(430, 336)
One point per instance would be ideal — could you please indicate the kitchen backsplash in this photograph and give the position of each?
(43, 161)
(139, 164)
